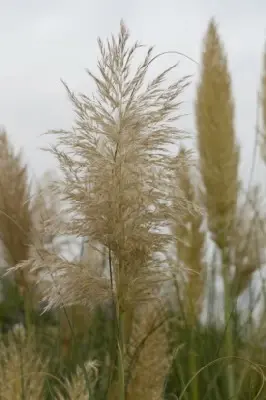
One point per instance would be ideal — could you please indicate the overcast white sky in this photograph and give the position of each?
(43, 41)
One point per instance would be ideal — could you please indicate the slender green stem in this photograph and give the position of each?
(228, 308)
(193, 367)
(121, 350)
(27, 310)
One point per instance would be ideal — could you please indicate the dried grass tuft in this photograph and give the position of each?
(22, 369)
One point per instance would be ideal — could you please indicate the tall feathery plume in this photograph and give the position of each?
(217, 145)
(115, 163)
(46, 210)
(219, 156)
(249, 240)
(15, 216)
(250, 249)
(15, 219)
(190, 240)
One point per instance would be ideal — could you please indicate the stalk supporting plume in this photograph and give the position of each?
(218, 161)
(115, 164)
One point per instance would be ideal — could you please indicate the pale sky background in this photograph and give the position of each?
(43, 41)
